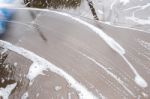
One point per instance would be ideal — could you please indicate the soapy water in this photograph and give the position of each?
(5, 92)
(40, 64)
(108, 40)
(117, 12)
(114, 45)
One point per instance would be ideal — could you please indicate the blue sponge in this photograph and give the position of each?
(5, 15)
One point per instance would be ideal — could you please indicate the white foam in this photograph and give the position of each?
(37, 95)
(138, 79)
(5, 92)
(34, 71)
(100, 12)
(20, 7)
(25, 95)
(108, 72)
(144, 44)
(145, 95)
(109, 41)
(139, 21)
(123, 27)
(131, 8)
(44, 65)
(57, 88)
(124, 1)
(112, 4)
(145, 6)
(69, 95)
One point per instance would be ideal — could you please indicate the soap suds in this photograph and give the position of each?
(44, 65)
(109, 72)
(5, 92)
(69, 95)
(139, 21)
(25, 95)
(57, 88)
(112, 44)
(138, 79)
(108, 40)
(144, 44)
(124, 1)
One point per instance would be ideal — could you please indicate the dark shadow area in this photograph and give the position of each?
(53, 3)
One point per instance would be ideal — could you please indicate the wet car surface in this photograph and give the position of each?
(63, 56)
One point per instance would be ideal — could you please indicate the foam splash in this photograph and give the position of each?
(57, 88)
(112, 4)
(108, 40)
(5, 92)
(25, 95)
(69, 95)
(143, 7)
(144, 44)
(44, 65)
(124, 1)
(139, 21)
(112, 44)
(138, 79)
(35, 70)
(108, 72)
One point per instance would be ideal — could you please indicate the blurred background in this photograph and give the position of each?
(127, 13)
